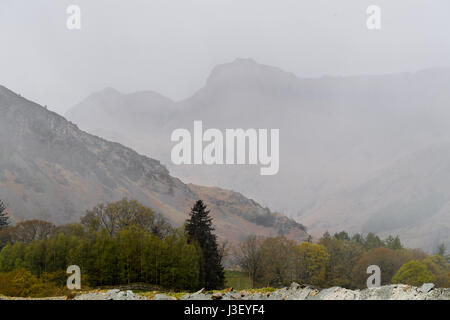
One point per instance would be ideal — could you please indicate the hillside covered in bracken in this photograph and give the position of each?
(51, 170)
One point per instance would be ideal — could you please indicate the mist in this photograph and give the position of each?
(171, 46)
(358, 110)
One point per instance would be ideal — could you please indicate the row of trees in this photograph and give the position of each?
(118, 243)
(338, 260)
(133, 255)
(125, 242)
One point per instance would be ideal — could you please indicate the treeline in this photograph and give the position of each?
(339, 260)
(116, 243)
(132, 255)
(125, 242)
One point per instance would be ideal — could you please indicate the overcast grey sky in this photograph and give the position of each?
(170, 46)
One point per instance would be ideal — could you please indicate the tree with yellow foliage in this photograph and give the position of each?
(311, 264)
(414, 273)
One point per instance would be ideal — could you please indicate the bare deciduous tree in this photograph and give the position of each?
(250, 258)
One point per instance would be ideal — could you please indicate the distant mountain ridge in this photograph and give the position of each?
(336, 135)
(51, 170)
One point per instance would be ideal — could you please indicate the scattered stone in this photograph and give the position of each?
(114, 294)
(405, 292)
(113, 291)
(231, 296)
(217, 296)
(380, 293)
(199, 295)
(426, 287)
(302, 294)
(163, 297)
(203, 290)
(438, 294)
(336, 293)
(294, 285)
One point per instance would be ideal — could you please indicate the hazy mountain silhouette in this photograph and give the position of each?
(337, 134)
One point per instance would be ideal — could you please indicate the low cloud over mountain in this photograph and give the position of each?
(338, 135)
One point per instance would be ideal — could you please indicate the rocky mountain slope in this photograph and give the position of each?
(411, 197)
(337, 134)
(51, 170)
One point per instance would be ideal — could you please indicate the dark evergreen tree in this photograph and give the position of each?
(199, 229)
(358, 238)
(441, 250)
(342, 236)
(373, 241)
(4, 220)
(393, 243)
(326, 236)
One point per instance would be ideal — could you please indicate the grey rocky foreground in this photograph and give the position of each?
(293, 292)
(297, 292)
(114, 294)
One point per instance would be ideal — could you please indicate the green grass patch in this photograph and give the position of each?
(237, 280)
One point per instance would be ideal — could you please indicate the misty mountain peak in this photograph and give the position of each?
(107, 92)
(110, 90)
(113, 96)
(249, 71)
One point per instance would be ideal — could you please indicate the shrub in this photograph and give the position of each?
(22, 283)
(414, 273)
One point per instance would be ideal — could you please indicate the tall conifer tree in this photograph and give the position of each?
(4, 220)
(199, 228)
